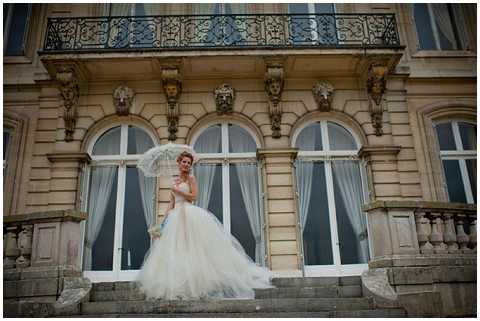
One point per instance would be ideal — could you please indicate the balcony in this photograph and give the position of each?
(340, 41)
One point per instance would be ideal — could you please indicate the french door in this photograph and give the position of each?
(120, 203)
(330, 181)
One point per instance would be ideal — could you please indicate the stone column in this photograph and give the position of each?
(282, 234)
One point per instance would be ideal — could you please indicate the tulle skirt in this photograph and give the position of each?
(195, 258)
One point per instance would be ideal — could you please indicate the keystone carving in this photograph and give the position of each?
(172, 86)
(274, 87)
(323, 94)
(69, 89)
(122, 99)
(376, 86)
(224, 97)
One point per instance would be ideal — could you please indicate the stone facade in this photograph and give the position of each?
(56, 104)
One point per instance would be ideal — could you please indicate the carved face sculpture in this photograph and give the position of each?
(275, 87)
(171, 90)
(224, 96)
(322, 93)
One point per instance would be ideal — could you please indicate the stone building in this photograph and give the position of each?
(333, 140)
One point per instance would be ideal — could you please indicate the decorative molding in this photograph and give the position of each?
(172, 87)
(376, 84)
(67, 77)
(69, 157)
(367, 151)
(123, 99)
(224, 97)
(264, 153)
(48, 216)
(323, 94)
(274, 82)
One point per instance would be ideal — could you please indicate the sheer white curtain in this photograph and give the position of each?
(208, 142)
(248, 178)
(241, 142)
(304, 172)
(100, 190)
(444, 23)
(147, 184)
(459, 16)
(347, 176)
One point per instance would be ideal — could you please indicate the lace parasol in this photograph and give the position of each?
(162, 160)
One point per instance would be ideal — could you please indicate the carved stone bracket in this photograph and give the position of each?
(67, 78)
(323, 94)
(224, 97)
(123, 99)
(172, 86)
(274, 82)
(376, 86)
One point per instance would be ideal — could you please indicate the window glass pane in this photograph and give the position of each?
(298, 8)
(324, 8)
(210, 188)
(120, 9)
(135, 238)
(340, 138)
(456, 189)
(310, 138)
(317, 243)
(18, 28)
(102, 249)
(108, 143)
(210, 141)
(445, 136)
(472, 175)
(6, 141)
(424, 27)
(241, 176)
(443, 22)
(6, 7)
(240, 141)
(352, 228)
(138, 141)
(468, 133)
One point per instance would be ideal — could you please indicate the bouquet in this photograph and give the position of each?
(156, 230)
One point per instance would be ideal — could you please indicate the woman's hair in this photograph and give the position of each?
(185, 154)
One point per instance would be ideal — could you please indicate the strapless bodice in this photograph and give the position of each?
(184, 187)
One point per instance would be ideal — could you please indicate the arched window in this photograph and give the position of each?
(457, 141)
(330, 189)
(228, 181)
(120, 204)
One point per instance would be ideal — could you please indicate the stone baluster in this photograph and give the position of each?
(450, 237)
(11, 248)
(462, 237)
(473, 235)
(439, 247)
(25, 246)
(423, 233)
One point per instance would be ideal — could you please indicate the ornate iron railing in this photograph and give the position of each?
(252, 31)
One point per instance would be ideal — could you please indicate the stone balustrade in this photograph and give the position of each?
(429, 228)
(42, 239)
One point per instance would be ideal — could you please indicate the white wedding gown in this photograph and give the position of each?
(195, 258)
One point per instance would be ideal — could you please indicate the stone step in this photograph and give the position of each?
(380, 313)
(227, 306)
(331, 291)
(120, 295)
(316, 281)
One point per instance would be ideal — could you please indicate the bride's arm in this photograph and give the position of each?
(192, 196)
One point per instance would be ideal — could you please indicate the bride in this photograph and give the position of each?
(194, 257)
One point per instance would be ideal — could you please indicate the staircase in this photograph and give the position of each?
(291, 297)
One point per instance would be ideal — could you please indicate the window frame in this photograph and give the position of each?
(419, 52)
(6, 31)
(328, 156)
(121, 161)
(225, 158)
(459, 154)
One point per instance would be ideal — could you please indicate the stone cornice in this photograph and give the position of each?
(263, 153)
(44, 217)
(379, 150)
(69, 157)
(422, 206)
